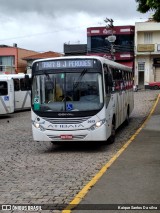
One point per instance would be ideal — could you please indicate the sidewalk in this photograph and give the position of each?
(134, 178)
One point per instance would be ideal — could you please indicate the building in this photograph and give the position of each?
(31, 58)
(147, 53)
(123, 47)
(75, 49)
(11, 59)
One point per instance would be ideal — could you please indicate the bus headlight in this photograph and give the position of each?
(36, 125)
(97, 124)
(39, 126)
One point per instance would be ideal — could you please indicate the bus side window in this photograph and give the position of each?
(25, 85)
(22, 85)
(119, 80)
(123, 80)
(16, 84)
(108, 79)
(3, 88)
(128, 79)
(116, 78)
(27, 82)
(131, 80)
(125, 77)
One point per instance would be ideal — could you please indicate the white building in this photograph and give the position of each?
(147, 53)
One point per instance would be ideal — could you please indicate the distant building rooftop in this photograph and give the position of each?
(3, 45)
(49, 54)
(75, 49)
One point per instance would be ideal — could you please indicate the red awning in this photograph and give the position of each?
(127, 63)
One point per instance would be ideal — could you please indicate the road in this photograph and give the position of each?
(43, 173)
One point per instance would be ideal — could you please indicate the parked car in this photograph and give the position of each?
(154, 85)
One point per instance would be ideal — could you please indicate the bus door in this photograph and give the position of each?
(119, 97)
(109, 100)
(119, 106)
(22, 94)
(6, 96)
(122, 94)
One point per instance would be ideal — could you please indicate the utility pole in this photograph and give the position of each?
(111, 38)
(110, 23)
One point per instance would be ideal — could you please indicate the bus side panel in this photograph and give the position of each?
(22, 100)
(119, 108)
(4, 105)
(131, 100)
(11, 95)
(7, 101)
(110, 111)
(124, 99)
(125, 104)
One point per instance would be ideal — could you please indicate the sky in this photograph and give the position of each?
(45, 25)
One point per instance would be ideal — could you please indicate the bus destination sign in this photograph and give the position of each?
(61, 64)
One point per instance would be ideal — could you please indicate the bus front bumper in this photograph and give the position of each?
(99, 134)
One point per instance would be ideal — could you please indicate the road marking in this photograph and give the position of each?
(77, 199)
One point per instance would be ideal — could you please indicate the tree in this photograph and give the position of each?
(147, 5)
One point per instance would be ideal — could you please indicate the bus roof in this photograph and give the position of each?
(10, 76)
(102, 59)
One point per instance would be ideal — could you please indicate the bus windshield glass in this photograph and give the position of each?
(67, 91)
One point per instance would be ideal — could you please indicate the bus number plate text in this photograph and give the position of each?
(66, 137)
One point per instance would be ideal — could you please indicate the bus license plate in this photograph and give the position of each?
(66, 137)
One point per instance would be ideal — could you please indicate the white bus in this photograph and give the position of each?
(15, 93)
(83, 98)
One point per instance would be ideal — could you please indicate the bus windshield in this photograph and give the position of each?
(67, 91)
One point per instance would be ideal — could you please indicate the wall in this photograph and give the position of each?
(22, 53)
(147, 57)
(147, 26)
(18, 53)
(9, 51)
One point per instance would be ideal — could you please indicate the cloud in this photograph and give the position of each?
(61, 7)
(46, 25)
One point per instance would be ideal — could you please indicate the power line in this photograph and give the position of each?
(44, 33)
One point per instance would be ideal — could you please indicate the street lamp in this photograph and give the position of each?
(112, 37)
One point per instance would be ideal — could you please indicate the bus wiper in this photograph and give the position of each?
(80, 78)
(47, 75)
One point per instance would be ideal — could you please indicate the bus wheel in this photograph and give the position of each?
(127, 118)
(111, 139)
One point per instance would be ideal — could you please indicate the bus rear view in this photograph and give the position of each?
(67, 100)
(6, 95)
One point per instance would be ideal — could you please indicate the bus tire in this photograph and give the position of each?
(111, 139)
(127, 120)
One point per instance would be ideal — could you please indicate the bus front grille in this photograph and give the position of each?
(66, 120)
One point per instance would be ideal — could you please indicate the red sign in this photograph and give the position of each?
(66, 137)
(117, 30)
